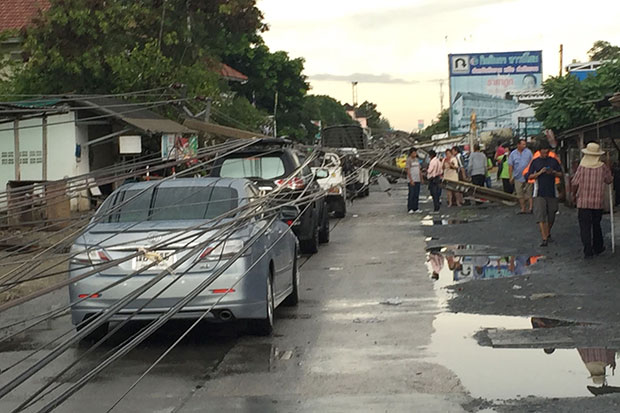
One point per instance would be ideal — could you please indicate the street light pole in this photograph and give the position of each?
(275, 111)
(354, 88)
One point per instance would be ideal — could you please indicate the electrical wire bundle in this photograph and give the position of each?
(20, 270)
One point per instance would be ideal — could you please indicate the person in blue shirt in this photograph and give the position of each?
(518, 160)
(544, 170)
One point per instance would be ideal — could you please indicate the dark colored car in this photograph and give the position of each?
(270, 164)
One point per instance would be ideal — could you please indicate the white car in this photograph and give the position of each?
(334, 184)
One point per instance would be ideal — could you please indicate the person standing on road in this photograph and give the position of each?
(434, 174)
(589, 181)
(456, 152)
(518, 160)
(545, 170)
(451, 173)
(415, 181)
(488, 180)
(477, 166)
(503, 172)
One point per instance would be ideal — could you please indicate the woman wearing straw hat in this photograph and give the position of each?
(590, 180)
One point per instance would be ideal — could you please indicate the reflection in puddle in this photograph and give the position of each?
(433, 222)
(463, 263)
(499, 374)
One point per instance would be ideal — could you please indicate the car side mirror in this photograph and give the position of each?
(321, 174)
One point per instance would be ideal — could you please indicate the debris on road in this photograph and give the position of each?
(392, 301)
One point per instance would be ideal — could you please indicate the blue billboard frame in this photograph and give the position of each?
(485, 79)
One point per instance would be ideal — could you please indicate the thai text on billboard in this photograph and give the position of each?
(485, 84)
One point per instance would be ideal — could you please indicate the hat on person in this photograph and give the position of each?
(591, 156)
(593, 149)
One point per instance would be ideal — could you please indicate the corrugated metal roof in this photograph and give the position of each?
(136, 115)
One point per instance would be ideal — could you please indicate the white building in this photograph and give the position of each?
(62, 138)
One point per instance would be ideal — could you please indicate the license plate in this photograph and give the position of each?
(141, 261)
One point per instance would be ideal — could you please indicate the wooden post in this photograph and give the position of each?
(16, 149)
(44, 149)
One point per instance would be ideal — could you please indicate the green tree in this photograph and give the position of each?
(204, 27)
(326, 109)
(572, 102)
(603, 50)
(270, 75)
(369, 111)
(90, 46)
(441, 125)
(567, 106)
(238, 112)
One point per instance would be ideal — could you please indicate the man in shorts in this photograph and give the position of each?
(544, 170)
(518, 160)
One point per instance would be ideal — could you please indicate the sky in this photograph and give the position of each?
(397, 49)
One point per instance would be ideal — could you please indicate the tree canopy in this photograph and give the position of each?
(603, 50)
(440, 125)
(325, 109)
(122, 46)
(573, 103)
(375, 119)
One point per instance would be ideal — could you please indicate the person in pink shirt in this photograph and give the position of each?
(589, 181)
(434, 174)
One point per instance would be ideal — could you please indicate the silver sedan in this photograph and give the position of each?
(179, 215)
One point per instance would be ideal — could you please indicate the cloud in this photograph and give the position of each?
(424, 10)
(362, 78)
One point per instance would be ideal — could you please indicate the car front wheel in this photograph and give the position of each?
(264, 326)
(293, 298)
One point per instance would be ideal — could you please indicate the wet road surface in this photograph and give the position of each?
(359, 339)
(372, 332)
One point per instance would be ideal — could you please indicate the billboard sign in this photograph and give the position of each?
(481, 83)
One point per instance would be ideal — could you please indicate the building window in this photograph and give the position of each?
(7, 158)
(23, 157)
(36, 157)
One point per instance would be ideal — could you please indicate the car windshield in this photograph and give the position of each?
(170, 204)
(264, 167)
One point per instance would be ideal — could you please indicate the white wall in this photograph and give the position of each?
(7, 155)
(30, 148)
(61, 139)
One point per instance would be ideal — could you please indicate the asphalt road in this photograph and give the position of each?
(358, 341)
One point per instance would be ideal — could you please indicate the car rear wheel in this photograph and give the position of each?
(293, 298)
(97, 334)
(324, 232)
(340, 211)
(311, 245)
(264, 326)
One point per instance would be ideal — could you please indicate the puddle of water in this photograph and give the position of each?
(449, 266)
(439, 221)
(500, 374)
(458, 249)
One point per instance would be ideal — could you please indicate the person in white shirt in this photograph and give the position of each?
(434, 174)
(414, 176)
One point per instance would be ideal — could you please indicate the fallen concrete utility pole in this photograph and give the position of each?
(388, 170)
(475, 191)
(220, 130)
